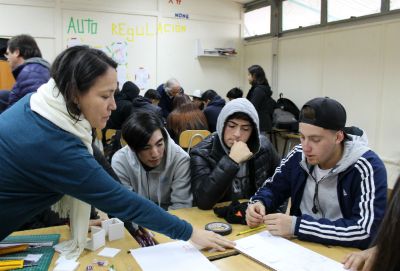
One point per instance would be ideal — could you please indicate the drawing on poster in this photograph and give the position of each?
(119, 53)
(142, 77)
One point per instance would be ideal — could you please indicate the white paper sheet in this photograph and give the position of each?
(109, 252)
(284, 255)
(62, 264)
(173, 256)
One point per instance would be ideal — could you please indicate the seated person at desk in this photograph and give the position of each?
(387, 242)
(45, 142)
(336, 183)
(153, 96)
(234, 161)
(152, 164)
(234, 93)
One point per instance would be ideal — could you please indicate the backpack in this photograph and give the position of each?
(282, 119)
(286, 115)
(288, 105)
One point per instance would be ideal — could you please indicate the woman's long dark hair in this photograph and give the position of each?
(257, 72)
(388, 239)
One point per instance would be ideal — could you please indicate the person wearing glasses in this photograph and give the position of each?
(337, 185)
(30, 70)
(167, 92)
(233, 162)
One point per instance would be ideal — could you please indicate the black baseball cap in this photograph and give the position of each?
(329, 114)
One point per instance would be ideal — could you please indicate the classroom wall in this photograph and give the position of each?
(138, 33)
(356, 65)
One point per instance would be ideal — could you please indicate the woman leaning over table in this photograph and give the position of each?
(45, 143)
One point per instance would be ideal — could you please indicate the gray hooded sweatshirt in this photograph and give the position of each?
(327, 201)
(168, 185)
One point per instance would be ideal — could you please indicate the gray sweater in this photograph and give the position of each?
(168, 185)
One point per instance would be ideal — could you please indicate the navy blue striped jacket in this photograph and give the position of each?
(361, 190)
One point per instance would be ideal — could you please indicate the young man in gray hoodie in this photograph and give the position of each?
(233, 162)
(151, 164)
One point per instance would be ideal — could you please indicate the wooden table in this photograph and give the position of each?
(199, 218)
(225, 261)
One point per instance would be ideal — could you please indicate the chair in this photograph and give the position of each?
(290, 139)
(191, 138)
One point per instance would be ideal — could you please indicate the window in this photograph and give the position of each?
(257, 22)
(300, 13)
(345, 9)
(394, 4)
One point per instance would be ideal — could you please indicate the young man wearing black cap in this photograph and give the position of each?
(336, 183)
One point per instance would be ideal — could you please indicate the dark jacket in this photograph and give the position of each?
(29, 77)
(124, 101)
(165, 101)
(361, 192)
(260, 97)
(141, 104)
(212, 111)
(213, 171)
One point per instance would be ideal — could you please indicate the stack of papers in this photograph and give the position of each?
(283, 255)
(173, 256)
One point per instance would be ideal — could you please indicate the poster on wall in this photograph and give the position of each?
(129, 39)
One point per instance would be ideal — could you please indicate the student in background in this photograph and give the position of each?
(180, 100)
(384, 255)
(234, 93)
(128, 102)
(196, 99)
(30, 70)
(153, 96)
(46, 147)
(124, 102)
(167, 92)
(233, 162)
(260, 96)
(152, 165)
(336, 183)
(186, 116)
(213, 105)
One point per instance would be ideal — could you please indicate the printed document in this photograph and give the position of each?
(283, 255)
